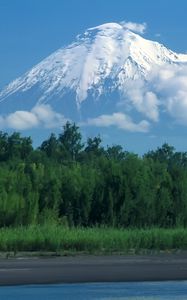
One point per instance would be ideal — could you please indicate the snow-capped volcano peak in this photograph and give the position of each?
(109, 53)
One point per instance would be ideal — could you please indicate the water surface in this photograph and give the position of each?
(101, 291)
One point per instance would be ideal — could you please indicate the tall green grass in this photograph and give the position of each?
(90, 240)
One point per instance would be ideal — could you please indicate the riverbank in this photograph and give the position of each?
(80, 269)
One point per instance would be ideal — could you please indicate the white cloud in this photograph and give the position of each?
(21, 120)
(165, 91)
(120, 120)
(177, 107)
(137, 27)
(170, 85)
(39, 116)
(48, 117)
(142, 99)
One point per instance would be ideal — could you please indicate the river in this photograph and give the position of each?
(173, 290)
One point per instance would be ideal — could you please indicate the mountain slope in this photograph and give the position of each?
(102, 60)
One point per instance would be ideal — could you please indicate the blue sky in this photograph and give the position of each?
(30, 30)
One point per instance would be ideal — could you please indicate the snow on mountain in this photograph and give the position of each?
(109, 53)
(109, 77)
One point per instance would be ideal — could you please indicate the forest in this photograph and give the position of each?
(76, 184)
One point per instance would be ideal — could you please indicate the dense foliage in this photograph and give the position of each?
(67, 182)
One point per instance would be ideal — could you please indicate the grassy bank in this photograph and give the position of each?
(91, 240)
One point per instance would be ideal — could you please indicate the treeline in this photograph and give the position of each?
(68, 182)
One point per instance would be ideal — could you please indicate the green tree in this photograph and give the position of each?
(70, 141)
(51, 147)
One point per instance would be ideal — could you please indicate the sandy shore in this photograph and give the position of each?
(93, 269)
